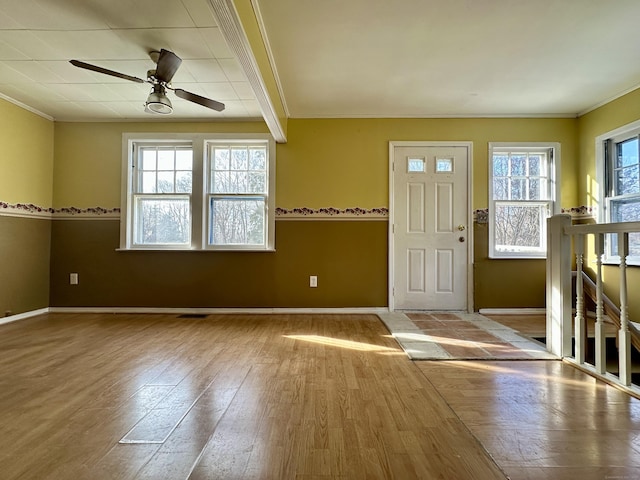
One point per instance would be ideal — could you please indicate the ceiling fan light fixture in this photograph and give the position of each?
(158, 102)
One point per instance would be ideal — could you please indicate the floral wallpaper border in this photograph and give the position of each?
(331, 212)
(30, 210)
(482, 215)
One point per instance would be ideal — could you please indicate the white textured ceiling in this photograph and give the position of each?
(333, 58)
(422, 58)
(39, 37)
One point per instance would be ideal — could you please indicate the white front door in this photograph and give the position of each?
(430, 221)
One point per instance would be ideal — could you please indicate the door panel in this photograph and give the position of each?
(430, 214)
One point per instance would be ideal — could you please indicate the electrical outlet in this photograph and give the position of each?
(73, 279)
(313, 281)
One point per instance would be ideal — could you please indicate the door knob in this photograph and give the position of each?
(461, 228)
(461, 239)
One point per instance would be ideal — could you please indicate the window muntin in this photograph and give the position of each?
(178, 195)
(522, 193)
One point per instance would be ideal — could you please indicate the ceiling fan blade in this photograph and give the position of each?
(168, 63)
(88, 66)
(205, 102)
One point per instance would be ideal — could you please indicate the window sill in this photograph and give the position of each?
(196, 250)
(516, 257)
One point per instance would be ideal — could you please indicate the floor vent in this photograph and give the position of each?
(193, 315)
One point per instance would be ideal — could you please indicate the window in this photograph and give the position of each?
(237, 194)
(620, 170)
(522, 192)
(198, 192)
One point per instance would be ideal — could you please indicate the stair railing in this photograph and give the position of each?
(562, 339)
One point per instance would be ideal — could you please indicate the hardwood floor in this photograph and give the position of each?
(543, 419)
(289, 397)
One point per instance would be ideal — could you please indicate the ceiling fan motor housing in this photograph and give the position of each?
(158, 102)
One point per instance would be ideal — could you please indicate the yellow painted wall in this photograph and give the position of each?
(26, 161)
(344, 162)
(88, 157)
(617, 113)
(326, 163)
(337, 163)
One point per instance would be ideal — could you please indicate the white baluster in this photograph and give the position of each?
(624, 338)
(580, 327)
(601, 341)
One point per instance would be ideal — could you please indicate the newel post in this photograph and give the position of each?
(559, 294)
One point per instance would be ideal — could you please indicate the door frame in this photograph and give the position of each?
(470, 226)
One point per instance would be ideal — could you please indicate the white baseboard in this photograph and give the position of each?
(512, 311)
(22, 316)
(212, 311)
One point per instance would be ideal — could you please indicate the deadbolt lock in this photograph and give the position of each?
(461, 228)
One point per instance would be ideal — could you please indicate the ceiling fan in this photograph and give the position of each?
(166, 66)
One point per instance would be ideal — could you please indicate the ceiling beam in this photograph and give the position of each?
(239, 25)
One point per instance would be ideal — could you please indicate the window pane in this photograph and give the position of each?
(239, 159)
(148, 182)
(183, 182)
(444, 165)
(627, 180)
(148, 159)
(236, 221)
(518, 165)
(500, 165)
(237, 182)
(166, 159)
(519, 228)
(415, 165)
(500, 189)
(165, 182)
(627, 210)
(534, 165)
(257, 182)
(517, 189)
(221, 159)
(162, 221)
(184, 159)
(627, 153)
(220, 182)
(534, 189)
(257, 158)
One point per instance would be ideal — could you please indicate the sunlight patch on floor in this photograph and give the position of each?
(348, 344)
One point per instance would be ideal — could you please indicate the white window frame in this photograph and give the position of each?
(553, 184)
(604, 180)
(199, 195)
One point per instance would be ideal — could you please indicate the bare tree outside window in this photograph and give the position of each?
(625, 202)
(162, 201)
(238, 187)
(521, 201)
(198, 191)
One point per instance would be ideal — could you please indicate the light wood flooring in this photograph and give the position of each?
(290, 397)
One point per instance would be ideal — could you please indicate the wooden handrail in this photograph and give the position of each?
(610, 309)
